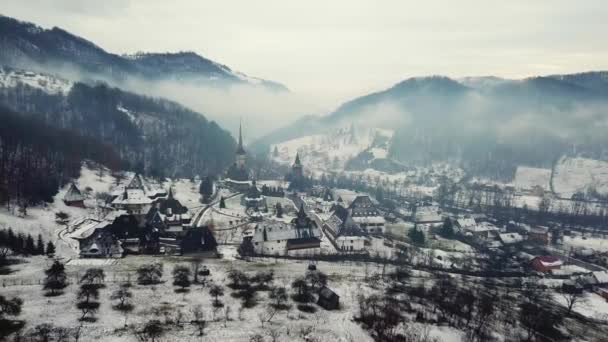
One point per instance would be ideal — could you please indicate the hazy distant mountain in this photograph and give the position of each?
(488, 124)
(25, 45)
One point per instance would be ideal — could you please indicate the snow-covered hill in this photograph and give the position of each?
(331, 151)
(10, 78)
(579, 174)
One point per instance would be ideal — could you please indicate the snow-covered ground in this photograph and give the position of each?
(592, 306)
(578, 174)
(331, 151)
(10, 78)
(527, 178)
(152, 302)
(578, 242)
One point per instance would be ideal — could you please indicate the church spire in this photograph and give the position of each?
(240, 149)
(297, 161)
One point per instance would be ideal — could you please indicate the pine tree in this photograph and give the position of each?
(222, 203)
(50, 249)
(39, 245)
(30, 246)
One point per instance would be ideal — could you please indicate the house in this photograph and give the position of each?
(510, 238)
(343, 232)
(483, 230)
(73, 197)
(363, 212)
(464, 224)
(328, 299)
(137, 197)
(300, 237)
(428, 215)
(539, 235)
(546, 263)
(96, 239)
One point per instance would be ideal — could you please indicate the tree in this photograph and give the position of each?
(39, 245)
(123, 295)
(279, 209)
(10, 307)
(30, 245)
(416, 236)
(93, 277)
(573, 300)
(263, 279)
(150, 274)
(87, 300)
(222, 203)
(300, 285)
(279, 296)
(56, 279)
(216, 291)
(206, 189)
(62, 217)
(316, 279)
(196, 265)
(447, 229)
(248, 296)
(181, 277)
(151, 331)
(50, 249)
(198, 319)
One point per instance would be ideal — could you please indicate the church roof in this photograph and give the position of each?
(240, 149)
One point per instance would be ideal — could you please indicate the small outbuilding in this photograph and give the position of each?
(328, 299)
(73, 197)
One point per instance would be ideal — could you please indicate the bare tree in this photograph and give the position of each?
(198, 319)
(573, 300)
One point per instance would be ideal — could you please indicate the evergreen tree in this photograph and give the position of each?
(222, 203)
(276, 151)
(447, 229)
(30, 245)
(416, 236)
(39, 245)
(206, 188)
(50, 249)
(279, 209)
(56, 279)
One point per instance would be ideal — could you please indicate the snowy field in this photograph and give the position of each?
(578, 242)
(162, 302)
(527, 178)
(577, 174)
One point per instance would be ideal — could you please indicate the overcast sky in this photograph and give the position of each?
(335, 50)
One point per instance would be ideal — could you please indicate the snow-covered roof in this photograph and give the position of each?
(132, 196)
(601, 277)
(73, 194)
(466, 223)
(87, 229)
(549, 261)
(510, 238)
(369, 219)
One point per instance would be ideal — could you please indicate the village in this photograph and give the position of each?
(348, 244)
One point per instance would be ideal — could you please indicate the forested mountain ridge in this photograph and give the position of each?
(151, 135)
(486, 125)
(36, 158)
(25, 45)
